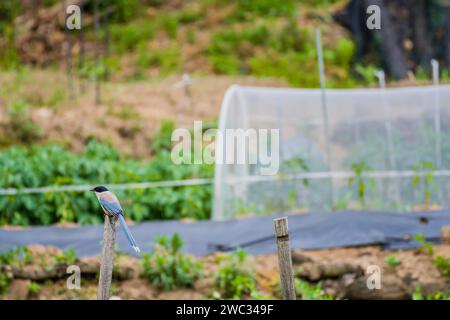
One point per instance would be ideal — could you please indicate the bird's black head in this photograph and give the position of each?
(99, 189)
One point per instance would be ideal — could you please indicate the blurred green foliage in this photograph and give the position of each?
(424, 175)
(124, 9)
(50, 165)
(248, 9)
(361, 183)
(166, 60)
(235, 278)
(287, 51)
(34, 289)
(129, 36)
(424, 245)
(162, 140)
(68, 256)
(168, 268)
(392, 261)
(21, 126)
(17, 257)
(8, 11)
(262, 38)
(443, 265)
(9, 57)
(417, 295)
(4, 282)
(307, 291)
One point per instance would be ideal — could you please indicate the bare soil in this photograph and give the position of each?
(130, 113)
(341, 272)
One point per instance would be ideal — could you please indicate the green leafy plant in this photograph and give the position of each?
(366, 72)
(22, 126)
(425, 246)
(17, 257)
(417, 295)
(424, 175)
(170, 25)
(92, 70)
(165, 59)
(66, 257)
(361, 184)
(443, 265)
(343, 202)
(306, 291)
(162, 139)
(247, 9)
(294, 166)
(392, 261)
(4, 282)
(168, 268)
(34, 288)
(124, 9)
(297, 165)
(51, 165)
(235, 278)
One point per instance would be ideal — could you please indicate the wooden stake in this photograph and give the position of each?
(106, 40)
(97, 53)
(68, 55)
(106, 267)
(81, 58)
(284, 259)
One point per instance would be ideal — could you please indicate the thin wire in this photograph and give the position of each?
(206, 181)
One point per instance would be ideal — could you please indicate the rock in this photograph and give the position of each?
(310, 271)
(445, 234)
(335, 270)
(392, 288)
(348, 279)
(314, 270)
(89, 265)
(43, 254)
(19, 289)
(125, 268)
(299, 257)
(38, 273)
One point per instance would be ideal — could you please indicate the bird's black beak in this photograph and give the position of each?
(91, 190)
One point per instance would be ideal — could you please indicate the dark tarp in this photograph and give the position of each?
(255, 234)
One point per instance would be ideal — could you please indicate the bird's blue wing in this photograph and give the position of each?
(111, 207)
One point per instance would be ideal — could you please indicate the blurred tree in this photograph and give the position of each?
(410, 35)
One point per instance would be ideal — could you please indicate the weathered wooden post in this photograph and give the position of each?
(106, 266)
(284, 259)
(81, 58)
(68, 54)
(97, 53)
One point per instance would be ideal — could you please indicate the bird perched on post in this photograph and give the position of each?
(111, 206)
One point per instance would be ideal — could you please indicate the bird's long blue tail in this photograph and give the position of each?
(128, 234)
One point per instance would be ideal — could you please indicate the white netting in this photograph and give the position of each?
(400, 137)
